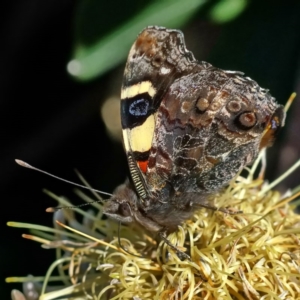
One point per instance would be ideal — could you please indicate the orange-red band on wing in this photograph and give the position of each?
(143, 165)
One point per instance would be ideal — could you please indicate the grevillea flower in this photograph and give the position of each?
(252, 255)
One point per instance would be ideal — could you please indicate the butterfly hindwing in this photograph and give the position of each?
(209, 126)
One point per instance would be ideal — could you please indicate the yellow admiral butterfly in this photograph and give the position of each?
(188, 129)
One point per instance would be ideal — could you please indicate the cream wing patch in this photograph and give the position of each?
(139, 88)
(140, 137)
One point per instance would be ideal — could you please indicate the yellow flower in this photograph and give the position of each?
(252, 255)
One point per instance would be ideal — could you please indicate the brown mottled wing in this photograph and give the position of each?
(209, 126)
(188, 127)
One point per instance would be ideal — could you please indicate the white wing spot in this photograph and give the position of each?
(164, 70)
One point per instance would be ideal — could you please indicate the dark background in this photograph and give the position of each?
(52, 121)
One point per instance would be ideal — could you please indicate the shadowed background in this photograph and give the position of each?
(52, 119)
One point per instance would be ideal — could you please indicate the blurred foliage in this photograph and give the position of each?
(227, 10)
(95, 52)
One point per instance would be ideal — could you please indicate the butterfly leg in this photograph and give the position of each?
(222, 209)
(181, 255)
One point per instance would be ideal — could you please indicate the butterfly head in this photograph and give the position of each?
(121, 205)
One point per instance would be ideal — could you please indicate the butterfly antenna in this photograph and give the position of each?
(26, 165)
(53, 209)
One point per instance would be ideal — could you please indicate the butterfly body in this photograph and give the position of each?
(188, 129)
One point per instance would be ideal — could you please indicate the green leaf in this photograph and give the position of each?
(227, 10)
(89, 62)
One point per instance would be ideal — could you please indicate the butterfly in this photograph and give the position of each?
(188, 129)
